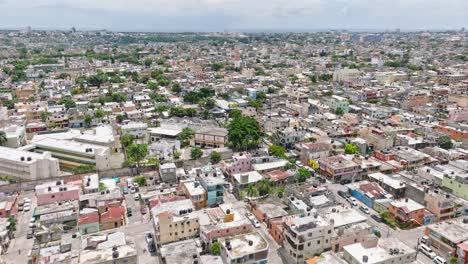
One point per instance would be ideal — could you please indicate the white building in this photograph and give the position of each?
(27, 165)
(306, 236)
(346, 75)
(386, 251)
(137, 129)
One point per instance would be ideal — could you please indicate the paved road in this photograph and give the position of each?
(20, 242)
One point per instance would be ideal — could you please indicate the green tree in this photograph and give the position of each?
(176, 88)
(126, 140)
(215, 157)
(3, 138)
(235, 113)
(99, 113)
(257, 104)
(445, 142)
(453, 260)
(120, 118)
(12, 226)
(244, 132)
(250, 191)
(263, 186)
(67, 101)
(44, 116)
(152, 85)
(140, 180)
(176, 155)
(276, 150)
(196, 153)
(303, 174)
(339, 111)
(207, 103)
(102, 187)
(186, 135)
(351, 149)
(137, 152)
(88, 120)
(215, 248)
(148, 62)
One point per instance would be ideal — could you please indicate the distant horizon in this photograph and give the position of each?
(259, 30)
(238, 15)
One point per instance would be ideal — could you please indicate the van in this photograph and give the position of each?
(425, 240)
(439, 260)
(427, 251)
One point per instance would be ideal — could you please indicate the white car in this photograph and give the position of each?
(137, 197)
(26, 208)
(27, 200)
(439, 260)
(353, 201)
(32, 220)
(427, 251)
(32, 225)
(255, 223)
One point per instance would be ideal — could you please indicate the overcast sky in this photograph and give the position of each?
(218, 15)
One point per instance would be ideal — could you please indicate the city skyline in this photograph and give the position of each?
(235, 15)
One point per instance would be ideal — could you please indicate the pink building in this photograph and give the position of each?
(54, 192)
(241, 162)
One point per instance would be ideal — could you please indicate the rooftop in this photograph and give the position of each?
(240, 244)
(381, 252)
(454, 230)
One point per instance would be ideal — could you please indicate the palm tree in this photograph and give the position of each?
(3, 138)
(263, 187)
(250, 191)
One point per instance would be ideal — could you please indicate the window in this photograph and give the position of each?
(326, 241)
(318, 242)
(329, 231)
(53, 196)
(170, 226)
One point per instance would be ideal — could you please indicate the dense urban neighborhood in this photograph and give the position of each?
(220, 148)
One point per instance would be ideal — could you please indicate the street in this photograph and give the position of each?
(20, 245)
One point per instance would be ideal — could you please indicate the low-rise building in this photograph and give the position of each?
(25, 165)
(195, 192)
(409, 211)
(247, 248)
(306, 236)
(210, 137)
(440, 204)
(168, 172)
(390, 250)
(445, 236)
(174, 221)
(338, 168)
(108, 248)
(52, 192)
(213, 182)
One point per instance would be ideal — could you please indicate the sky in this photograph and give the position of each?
(234, 15)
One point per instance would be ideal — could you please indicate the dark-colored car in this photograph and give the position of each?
(343, 194)
(30, 234)
(129, 211)
(377, 218)
(346, 181)
(143, 210)
(150, 241)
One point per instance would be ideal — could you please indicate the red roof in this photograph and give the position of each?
(113, 213)
(463, 246)
(88, 218)
(373, 189)
(277, 175)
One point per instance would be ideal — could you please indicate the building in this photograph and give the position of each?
(15, 135)
(113, 217)
(158, 133)
(195, 192)
(346, 75)
(90, 183)
(25, 165)
(212, 181)
(108, 248)
(394, 185)
(164, 149)
(250, 248)
(336, 102)
(210, 137)
(455, 179)
(312, 151)
(168, 172)
(53, 192)
(88, 222)
(338, 168)
(72, 154)
(348, 235)
(241, 162)
(174, 221)
(306, 236)
(376, 137)
(390, 250)
(409, 211)
(287, 137)
(440, 204)
(138, 130)
(181, 252)
(445, 236)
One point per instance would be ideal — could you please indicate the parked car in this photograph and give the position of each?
(32, 220)
(149, 238)
(343, 182)
(125, 190)
(352, 201)
(364, 209)
(343, 194)
(377, 218)
(137, 197)
(32, 225)
(255, 223)
(143, 210)
(439, 260)
(129, 211)
(26, 208)
(425, 240)
(30, 234)
(427, 251)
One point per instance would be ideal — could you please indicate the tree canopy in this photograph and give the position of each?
(276, 150)
(445, 142)
(351, 149)
(244, 132)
